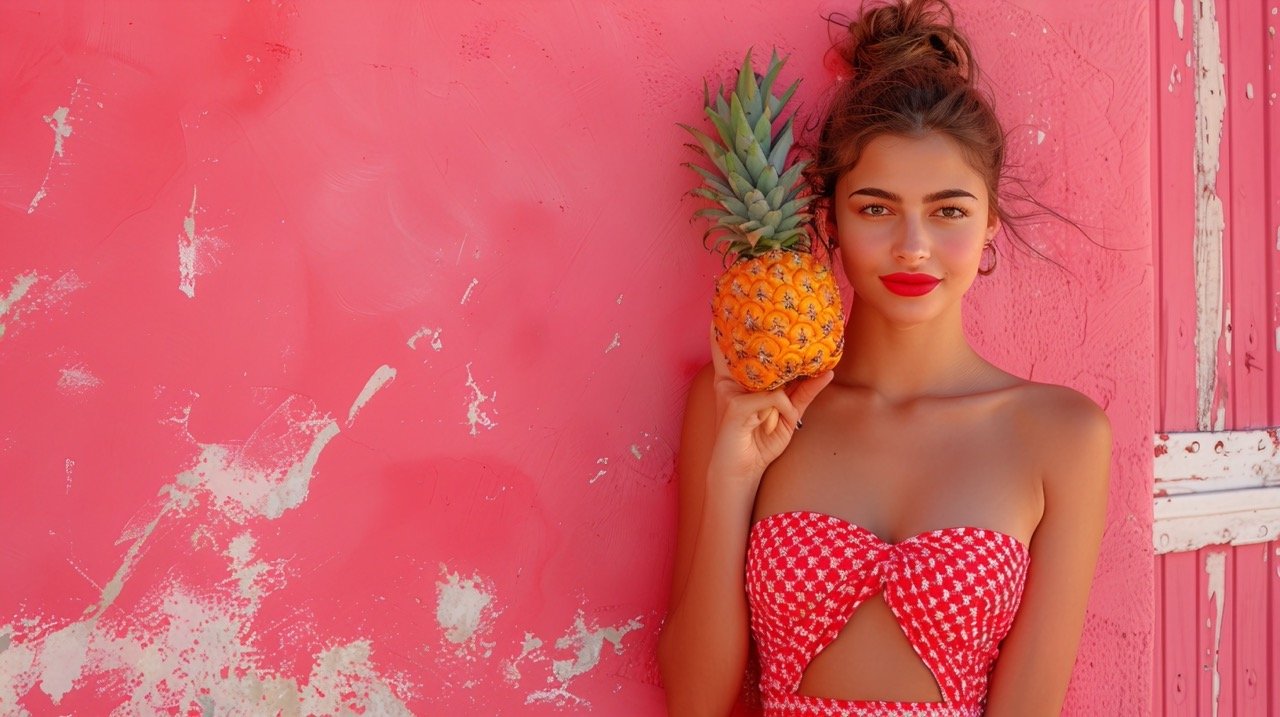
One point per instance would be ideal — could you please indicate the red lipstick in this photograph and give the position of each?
(910, 284)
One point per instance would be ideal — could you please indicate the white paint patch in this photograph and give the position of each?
(343, 673)
(1248, 90)
(605, 461)
(195, 251)
(77, 380)
(614, 344)
(460, 608)
(62, 658)
(380, 378)
(1210, 222)
(619, 301)
(635, 451)
(57, 121)
(272, 472)
(1179, 16)
(467, 294)
(1175, 77)
(17, 290)
(252, 578)
(587, 645)
(511, 670)
(475, 416)
(423, 333)
(1215, 570)
(1039, 136)
(68, 466)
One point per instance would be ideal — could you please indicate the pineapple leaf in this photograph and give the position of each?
(755, 161)
(777, 195)
(733, 204)
(776, 103)
(781, 146)
(731, 221)
(747, 91)
(788, 179)
(711, 213)
(771, 219)
(722, 127)
(771, 74)
(767, 183)
(743, 135)
(794, 221)
(716, 153)
(737, 175)
(713, 181)
(764, 125)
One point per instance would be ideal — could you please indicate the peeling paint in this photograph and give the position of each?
(511, 669)
(475, 416)
(461, 607)
(600, 473)
(380, 378)
(424, 332)
(195, 251)
(587, 643)
(613, 344)
(1179, 16)
(1248, 90)
(252, 577)
(243, 485)
(467, 294)
(17, 290)
(1210, 223)
(57, 121)
(1215, 570)
(77, 380)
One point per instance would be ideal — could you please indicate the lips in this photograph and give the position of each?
(910, 284)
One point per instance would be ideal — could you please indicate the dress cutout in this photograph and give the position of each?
(954, 593)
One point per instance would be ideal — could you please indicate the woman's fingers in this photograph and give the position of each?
(809, 390)
(770, 420)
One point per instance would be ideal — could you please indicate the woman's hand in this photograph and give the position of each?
(753, 428)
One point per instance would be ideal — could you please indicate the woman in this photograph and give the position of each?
(923, 543)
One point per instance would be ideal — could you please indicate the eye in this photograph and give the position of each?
(953, 212)
(874, 210)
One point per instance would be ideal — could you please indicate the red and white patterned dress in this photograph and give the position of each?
(953, 591)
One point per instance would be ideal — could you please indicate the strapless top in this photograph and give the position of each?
(954, 593)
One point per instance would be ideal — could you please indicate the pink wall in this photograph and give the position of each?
(343, 350)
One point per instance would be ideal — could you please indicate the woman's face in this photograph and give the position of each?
(912, 209)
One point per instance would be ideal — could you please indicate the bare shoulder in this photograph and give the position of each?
(1069, 430)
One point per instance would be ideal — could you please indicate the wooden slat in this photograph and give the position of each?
(1252, 335)
(1216, 641)
(1157, 682)
(1181, 630)
(1251, 625)
(1176, 311)
(1270, 140)
(1273, 628)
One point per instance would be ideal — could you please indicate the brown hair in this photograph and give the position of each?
(912, 73)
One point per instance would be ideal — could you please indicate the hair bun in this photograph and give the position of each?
(917, 34)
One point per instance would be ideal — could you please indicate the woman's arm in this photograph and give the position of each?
(725, 446)
(1031, 675)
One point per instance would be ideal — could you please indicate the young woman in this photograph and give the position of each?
(924, 542)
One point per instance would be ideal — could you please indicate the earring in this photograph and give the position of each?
(994, 257)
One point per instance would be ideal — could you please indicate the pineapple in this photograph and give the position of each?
(776, 310)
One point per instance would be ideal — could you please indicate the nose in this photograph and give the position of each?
(912, 243)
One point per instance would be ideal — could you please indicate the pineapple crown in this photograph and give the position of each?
(760, 203)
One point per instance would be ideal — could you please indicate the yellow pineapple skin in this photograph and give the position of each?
(778, 317)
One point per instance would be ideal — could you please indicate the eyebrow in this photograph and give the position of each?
(928, 198)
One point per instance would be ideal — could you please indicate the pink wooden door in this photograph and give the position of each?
(1217, 513)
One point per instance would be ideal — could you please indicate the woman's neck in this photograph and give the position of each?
(900, 363)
